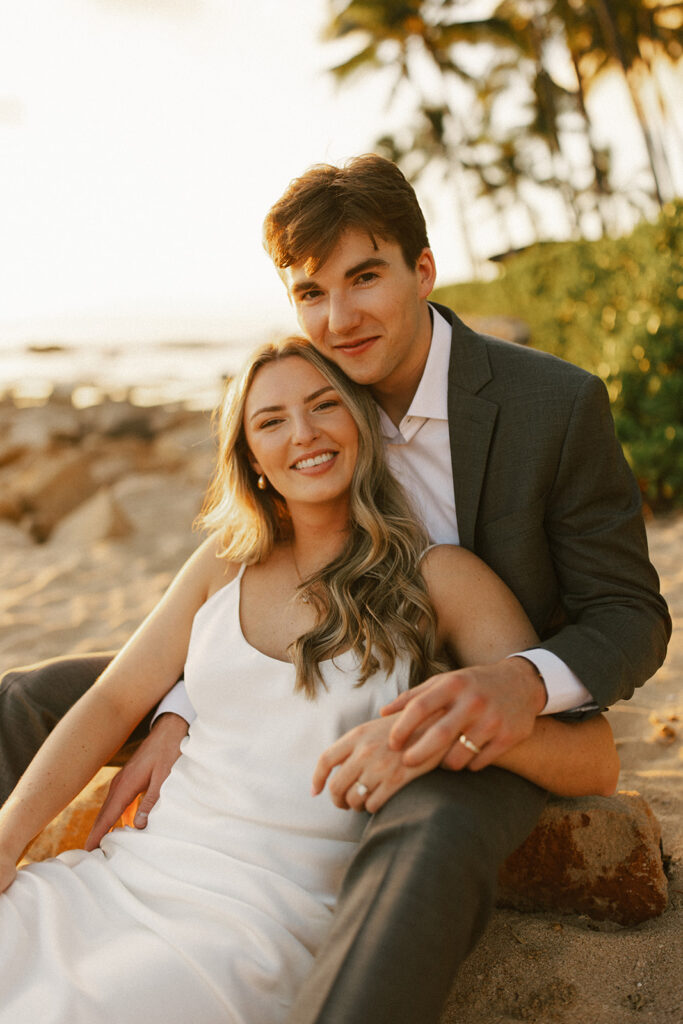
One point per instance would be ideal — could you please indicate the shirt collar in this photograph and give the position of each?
(431, 398)
(430, 401)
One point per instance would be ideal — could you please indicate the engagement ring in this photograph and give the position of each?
(469, 744)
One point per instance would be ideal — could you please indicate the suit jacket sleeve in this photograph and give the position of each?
(617, 625)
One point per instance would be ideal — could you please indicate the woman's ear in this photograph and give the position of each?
(254, 463)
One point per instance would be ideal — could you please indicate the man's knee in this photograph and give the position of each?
(443, 841)
(46, 690)
(483, 816)
(32, 700)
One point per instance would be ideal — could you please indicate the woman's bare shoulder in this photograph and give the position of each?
(445, 564)
(457, 578)
(478, 617)
(215, 569)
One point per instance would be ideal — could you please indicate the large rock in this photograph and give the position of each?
(54, 486)
(36, 427)
(98, 518)
(599, 856)
(11, 506)
(157, 503)
(189, 445)
(13, 537)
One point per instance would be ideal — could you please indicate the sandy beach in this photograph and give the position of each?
(102, 565)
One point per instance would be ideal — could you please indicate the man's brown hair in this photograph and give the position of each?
(368, 193)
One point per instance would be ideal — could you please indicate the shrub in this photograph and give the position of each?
(614, 307)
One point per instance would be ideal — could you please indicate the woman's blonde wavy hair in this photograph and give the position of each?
(371, 598)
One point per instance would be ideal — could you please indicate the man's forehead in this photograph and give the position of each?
(353, 248)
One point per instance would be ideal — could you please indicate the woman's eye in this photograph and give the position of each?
(268, 423)
(329, 403)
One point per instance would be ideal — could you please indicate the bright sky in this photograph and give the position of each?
(141, 143)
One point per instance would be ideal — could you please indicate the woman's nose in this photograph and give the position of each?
(303, 428)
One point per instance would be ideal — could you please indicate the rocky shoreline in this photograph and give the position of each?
(96, 514)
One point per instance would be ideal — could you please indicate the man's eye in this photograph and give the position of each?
(310, 295)
(367, 277)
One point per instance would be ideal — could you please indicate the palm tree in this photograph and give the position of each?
(453, 123)
(628, 34)
(404, 36)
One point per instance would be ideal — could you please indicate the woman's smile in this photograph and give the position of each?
(314, 461)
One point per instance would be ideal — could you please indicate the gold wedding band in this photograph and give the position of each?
(469, 744)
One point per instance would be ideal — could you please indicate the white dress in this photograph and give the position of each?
(216, 910)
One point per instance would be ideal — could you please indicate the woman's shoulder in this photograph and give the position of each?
(442, 560)
(449, 570)
(216, 569)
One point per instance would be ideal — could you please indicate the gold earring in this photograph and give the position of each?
(261, 483)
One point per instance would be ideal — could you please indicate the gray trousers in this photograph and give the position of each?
(416, 896)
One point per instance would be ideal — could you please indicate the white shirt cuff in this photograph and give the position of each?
(177, 702)
(565, 690)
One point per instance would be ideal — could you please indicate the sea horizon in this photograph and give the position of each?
(93, 359)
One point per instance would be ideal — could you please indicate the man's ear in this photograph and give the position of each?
(425, 268)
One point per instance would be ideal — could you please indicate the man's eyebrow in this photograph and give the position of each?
(309, 398)
(373, 261)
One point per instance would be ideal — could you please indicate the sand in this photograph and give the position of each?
(58, 598)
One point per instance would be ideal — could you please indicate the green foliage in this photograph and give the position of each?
(614, 307)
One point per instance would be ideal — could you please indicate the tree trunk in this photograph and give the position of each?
(612, 39)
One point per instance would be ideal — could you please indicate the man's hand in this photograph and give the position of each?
(363, 756)
(493, 706)
(145, 772)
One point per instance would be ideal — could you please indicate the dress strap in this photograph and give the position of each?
(426, 550)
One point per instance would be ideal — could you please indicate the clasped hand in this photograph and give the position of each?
(493, 706)
(363, 756)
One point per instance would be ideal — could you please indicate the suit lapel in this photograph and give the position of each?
(471, 420)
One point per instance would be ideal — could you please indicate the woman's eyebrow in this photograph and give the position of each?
(277, 408)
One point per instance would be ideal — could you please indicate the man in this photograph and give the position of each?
(511, 453)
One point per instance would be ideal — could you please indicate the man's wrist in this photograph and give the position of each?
(536, 683)
(169, 718)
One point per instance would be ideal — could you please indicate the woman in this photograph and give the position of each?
(303, 614)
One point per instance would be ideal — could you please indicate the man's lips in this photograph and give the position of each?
(356, 347)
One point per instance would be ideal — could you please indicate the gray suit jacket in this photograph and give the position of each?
(545, 497)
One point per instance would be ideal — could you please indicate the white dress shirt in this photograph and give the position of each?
(419, 454)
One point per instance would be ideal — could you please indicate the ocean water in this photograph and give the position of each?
(190, 372)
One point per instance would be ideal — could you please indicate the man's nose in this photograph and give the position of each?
(343, 315)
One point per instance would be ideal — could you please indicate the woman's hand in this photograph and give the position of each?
(363, 757)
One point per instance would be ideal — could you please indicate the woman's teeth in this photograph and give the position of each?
(317, 460)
